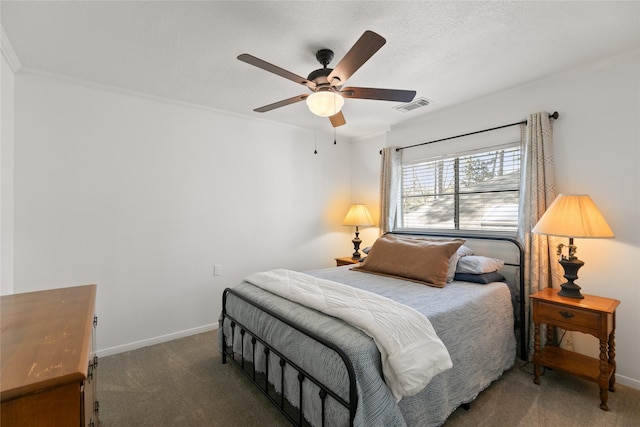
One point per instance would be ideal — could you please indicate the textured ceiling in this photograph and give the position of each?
(449, 52)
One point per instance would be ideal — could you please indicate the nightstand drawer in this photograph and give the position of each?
(567, 317)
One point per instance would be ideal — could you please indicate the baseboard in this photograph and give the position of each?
(155, 340)
(626, 381)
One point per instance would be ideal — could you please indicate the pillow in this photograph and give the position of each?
(477, 264)
(418, 260)
(464, 251)
(453, 261)
(483, 278)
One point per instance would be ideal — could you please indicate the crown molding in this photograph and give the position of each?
(8, 52)
(75, 81)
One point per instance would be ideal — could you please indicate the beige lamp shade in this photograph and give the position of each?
(573, 215)
(358, 215)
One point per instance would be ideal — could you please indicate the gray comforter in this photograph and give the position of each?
(475, 323)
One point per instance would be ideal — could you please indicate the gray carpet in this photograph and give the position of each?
(183, 383)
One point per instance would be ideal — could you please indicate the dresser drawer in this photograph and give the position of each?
(568, 318)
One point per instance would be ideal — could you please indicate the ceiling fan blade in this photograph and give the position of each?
(337, 119)
(368, 44)
(257, 62)
(282, 103)
(378, 94)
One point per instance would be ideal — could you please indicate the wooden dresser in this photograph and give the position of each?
(48, 365)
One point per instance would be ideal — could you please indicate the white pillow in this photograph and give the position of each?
(453, 261)
(451, 270)
(464, 251)
(477, 264)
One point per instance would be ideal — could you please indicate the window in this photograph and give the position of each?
(473, 191)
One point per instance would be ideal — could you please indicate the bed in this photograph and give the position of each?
(321, 370)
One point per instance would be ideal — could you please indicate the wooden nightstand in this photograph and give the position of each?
(592, 315)
(346, 261)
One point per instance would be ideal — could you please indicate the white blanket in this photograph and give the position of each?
(411, 352)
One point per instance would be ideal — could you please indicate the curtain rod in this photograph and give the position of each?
(555, 115)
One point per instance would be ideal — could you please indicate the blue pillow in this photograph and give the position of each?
(483, 278)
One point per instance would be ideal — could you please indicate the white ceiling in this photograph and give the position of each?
(449, 52)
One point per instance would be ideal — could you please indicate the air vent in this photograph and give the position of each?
(416, 103)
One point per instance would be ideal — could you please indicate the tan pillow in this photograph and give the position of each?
(453, 261)
(418, 260)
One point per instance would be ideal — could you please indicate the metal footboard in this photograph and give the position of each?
(262, 381)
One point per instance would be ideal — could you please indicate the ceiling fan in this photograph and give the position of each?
(326, 84)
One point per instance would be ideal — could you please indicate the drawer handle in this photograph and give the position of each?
(566, 314)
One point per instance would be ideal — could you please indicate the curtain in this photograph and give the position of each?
(390, 181)
(538, 190)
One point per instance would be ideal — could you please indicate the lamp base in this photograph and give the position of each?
(571, 267)
(356, 248)
(356, 245)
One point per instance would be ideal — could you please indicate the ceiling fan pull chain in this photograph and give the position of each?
(334, 128)
(315, 142)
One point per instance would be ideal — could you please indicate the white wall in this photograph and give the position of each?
(7, 80)
(597, 151)
(365, 181)
(143, 197)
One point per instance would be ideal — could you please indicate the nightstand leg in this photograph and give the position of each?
(604, 396)
(603, 381)
(551, 333)
(536, 353)
(612, 361)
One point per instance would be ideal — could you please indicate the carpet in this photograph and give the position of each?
(183, 383)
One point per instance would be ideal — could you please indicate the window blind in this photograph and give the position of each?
(467, 191)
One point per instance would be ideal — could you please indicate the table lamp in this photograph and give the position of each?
(572, 215)
(358, 215)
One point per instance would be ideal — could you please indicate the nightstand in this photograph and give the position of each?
(346, 261)
(592, 315)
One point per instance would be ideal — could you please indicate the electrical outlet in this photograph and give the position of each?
(217, 270)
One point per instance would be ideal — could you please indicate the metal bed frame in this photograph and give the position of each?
(278, 399)
(250, 371)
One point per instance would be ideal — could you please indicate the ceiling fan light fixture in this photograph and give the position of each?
(325, 103)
